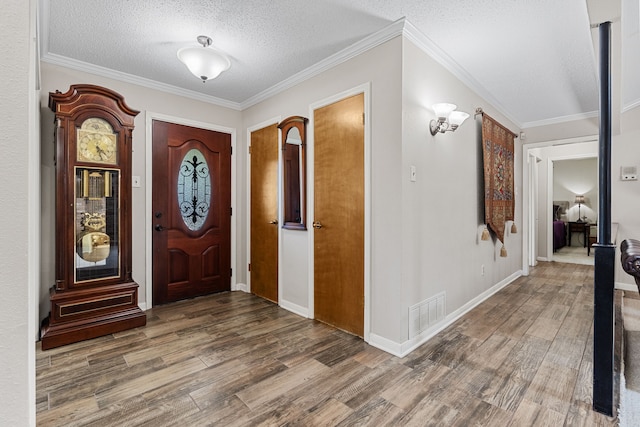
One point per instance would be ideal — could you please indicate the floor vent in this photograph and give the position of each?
(425, 314)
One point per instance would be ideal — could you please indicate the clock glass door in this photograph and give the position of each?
(97, 234)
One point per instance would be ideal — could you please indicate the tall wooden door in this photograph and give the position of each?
(264, 212)
(191, 212)
(339, 214)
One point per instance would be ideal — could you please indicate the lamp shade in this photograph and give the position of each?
(204, 62)
(443, 110)
(456, 118)
(579, 199)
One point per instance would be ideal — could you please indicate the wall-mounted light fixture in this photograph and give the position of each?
(204, 62)
(448, 118)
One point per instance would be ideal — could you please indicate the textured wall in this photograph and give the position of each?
(16, 345)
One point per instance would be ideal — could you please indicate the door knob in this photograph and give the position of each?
(158, 227)
(158, 214)
(274, 221)
(317, 225)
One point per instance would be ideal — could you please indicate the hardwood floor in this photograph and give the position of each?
(523, 357)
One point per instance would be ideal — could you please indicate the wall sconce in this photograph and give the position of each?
(448, 118)
(579, 200)
(204, 62)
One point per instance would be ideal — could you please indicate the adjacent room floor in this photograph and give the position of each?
(523, 357)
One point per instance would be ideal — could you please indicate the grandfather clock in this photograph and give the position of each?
(94, 293)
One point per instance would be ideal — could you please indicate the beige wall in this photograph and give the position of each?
(18, 210)
(442, 212)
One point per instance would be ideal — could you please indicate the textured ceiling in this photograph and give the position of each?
(534, 57)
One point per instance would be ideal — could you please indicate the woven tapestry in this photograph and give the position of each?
(499, 200)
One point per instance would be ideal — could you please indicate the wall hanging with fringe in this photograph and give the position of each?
(499, 195)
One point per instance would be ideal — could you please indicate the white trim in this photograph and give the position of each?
(550, 178)
(376, 39)
(525, 197)
(33, 215)
(366, 89)
(86, 67)
(626, 287)
(148, 223)
(250, 129)
(242, 287)
(294, 308)
(561, 119)
(402, 349)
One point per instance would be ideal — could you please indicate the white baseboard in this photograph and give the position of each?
(240, 287)
(626, 287)
(143, 306)
(402, 349)
(294, 308)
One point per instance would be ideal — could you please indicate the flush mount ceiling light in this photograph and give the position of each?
(204, 62)
(448, 118)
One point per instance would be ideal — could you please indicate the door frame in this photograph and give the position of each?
(148, 180)
(250, 129)
(366, 89)
(532, 229)
(550, 177)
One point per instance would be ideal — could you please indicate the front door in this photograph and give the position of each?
(264, 212)
(339, 214)
(191, 207)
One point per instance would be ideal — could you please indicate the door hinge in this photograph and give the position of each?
(231, 150)
(363, 122)
(249, 267)
(249, 149)
(231, 211)
(231, 272)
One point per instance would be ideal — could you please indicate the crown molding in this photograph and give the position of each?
(140, 81)
(427, 45)
(561, 119)
(376, 39)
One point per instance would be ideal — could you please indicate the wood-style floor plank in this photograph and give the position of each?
(521, 358)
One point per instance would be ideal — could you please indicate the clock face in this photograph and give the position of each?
(96, 142)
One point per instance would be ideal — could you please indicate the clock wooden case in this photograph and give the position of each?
(94, 293)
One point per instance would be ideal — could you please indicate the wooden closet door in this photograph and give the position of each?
(264, 212)
(339, 214)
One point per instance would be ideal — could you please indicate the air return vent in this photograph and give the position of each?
(426, 314)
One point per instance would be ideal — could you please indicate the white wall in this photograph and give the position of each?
(146, 101)
(578, 176)
(18, 210)
(625, 195)
(442, 212)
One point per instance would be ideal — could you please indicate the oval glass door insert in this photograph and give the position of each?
(194, 189)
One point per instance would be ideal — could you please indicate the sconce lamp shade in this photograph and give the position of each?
(579, 199)
(443, 109)
(448, 119)
(456, 118)
(204, 62)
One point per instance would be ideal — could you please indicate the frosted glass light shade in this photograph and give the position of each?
(456, 118)
(204, 62)
(443, 110)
